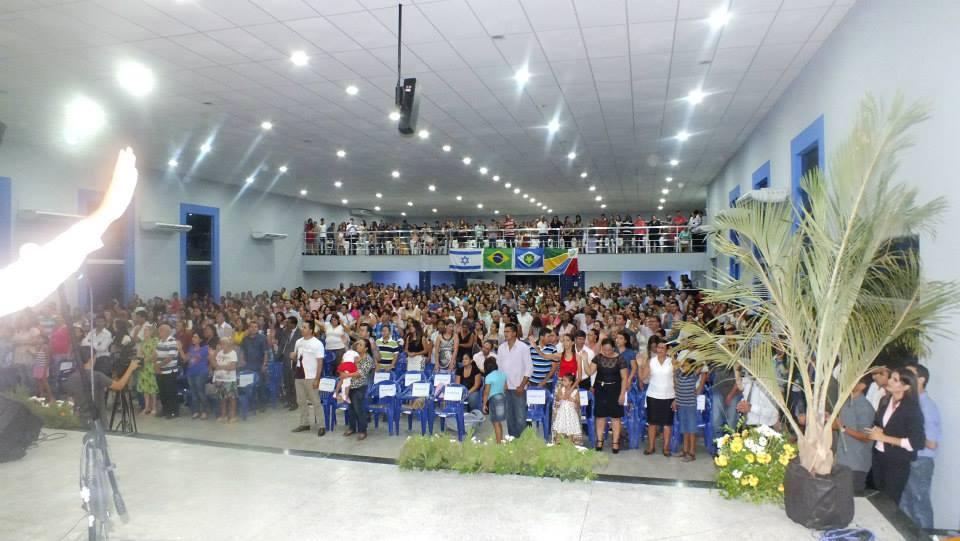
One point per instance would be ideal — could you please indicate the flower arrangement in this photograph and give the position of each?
(752, 463)
(58, 414)
(527, 455)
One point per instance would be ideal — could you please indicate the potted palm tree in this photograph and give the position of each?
(826, 282)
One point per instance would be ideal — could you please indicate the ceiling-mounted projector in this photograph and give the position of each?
(406, 96)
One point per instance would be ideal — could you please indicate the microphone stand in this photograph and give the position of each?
(96, 469)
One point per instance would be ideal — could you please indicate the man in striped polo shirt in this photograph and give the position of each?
(167, 365)
(543, 368)
(389, 349)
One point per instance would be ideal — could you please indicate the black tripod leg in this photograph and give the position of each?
(113, 412)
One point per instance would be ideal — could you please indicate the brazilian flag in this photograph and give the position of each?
(498, 258)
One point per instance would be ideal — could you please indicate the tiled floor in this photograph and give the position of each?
(190, 491)
(272, 429)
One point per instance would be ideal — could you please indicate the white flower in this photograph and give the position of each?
(550, 444)
(762, 441)
(736, 474)
(580, 448)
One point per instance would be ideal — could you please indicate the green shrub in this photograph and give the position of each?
(57, 415)
(527, 455)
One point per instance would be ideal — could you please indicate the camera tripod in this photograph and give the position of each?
(127, 423)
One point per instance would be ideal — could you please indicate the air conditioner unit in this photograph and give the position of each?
(765, 195)
(361, 212)
(262, 235)
(165, 227)
(35, 214)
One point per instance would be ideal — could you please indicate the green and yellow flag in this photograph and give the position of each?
(498, 258)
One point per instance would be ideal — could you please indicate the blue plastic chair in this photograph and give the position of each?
(450, 408)
(539, 414)
(388, 405)
(328, 368)
(245, 394)
(401, 367)
(586, 399)
(274, 379)
(632, 418)
(328, 404)
(407, 399)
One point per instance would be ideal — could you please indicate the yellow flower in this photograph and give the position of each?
(780, 488)
(763, 458)
(721, 460)
(789, 449)
(745, 481)
(745, 433)
(749, 458)
(754, 480)
(737, 445)
(784, 460)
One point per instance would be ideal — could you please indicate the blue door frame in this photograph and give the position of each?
(810, 137)
(214, 214)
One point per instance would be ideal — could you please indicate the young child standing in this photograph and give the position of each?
(348, 365)
(225, 379)
(566, 411)
(41, 367)
(689, 384)
(147, 378)
(494, 401)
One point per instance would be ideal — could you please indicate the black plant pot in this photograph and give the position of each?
(820, 502)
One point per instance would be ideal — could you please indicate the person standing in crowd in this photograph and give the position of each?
(609, 390)
(878, 388)
(445, 346)
(566, 411)
(688, 385)
(198, 371)
(77, 387)
(725, 392)
(417, 347)
(307, 357)
(335, 338)
(513, 358)
(99, 339)
(898, 433)
(389, 349)
(147, 377)
(255, 353)
(166, 367)
(854, 445)
(225, 380)
(486, 350)
(915, 501)
(494, 396)
(357, 411)
(658, 370)
(287, 337)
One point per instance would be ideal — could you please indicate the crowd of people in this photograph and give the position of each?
(603, 234)
(496, 341)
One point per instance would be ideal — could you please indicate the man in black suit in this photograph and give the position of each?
(286, 339)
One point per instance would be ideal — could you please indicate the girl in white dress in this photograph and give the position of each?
(566, 411)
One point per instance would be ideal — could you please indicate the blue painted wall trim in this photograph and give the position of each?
(811, 136)
(6, 220)
(761, 177)
(87, 201)
(734, 265)
(214, 213)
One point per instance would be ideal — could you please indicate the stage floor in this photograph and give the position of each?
(209, 492)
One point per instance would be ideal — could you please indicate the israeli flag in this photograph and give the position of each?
(466, 260)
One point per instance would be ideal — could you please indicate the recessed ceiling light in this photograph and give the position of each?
(376, 209)
(598, 198)
(679, 185)
(483, 170)
(299, 58)
(344, 201)
(526, 196)
(533, 199)
(250, 180)
(84, 118)
(204, 148)
(459, 198)
(516, 190)
(467, 160)
(660, 207)
(496, 178)
(665, 191)
(341, 153)
(432, 188)
(423, 134)
(283, 169)
(135, 78)
(403, 214)
(583, 175)
(718, 18)
(379, 195)
(409, 203)
(550, 211)
(572, 156)
(553, 126)
(496, 212)
(479, 205)
(593, 188)
(603, 205)
(507, 185)
(674, 163)
(662, 200)
(669, 179)
(338, 184)
(446, 148)
(172, 163)
(695, 96)
(394, 116)
(395, 174)
(352, 90)
(683, 135)
(522, 76)
(266, 125)
(303, 192)
(433, 210)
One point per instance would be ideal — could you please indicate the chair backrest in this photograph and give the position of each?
(327, 385)
(384, 390)
(453, 396)
(409, 378)
(443, 378)
(245, 378)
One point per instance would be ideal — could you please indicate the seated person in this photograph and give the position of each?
(77, 386)
(348, 365)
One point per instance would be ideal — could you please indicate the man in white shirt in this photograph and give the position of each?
(757, 404)
(480, 357)
(525, 319)
(513, 359)
(878, 389)
(99, 338)
(308, 367)
(167, 350)
(224, 329)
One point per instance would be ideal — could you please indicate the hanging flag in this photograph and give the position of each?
(560, 261)
(529, 259)
(498, 258)
(466, 260)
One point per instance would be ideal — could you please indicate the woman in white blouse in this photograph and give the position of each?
(658, 370)
(335, 338)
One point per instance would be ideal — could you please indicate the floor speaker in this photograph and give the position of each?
(19, 428)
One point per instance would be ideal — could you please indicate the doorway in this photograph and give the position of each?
(200, 251)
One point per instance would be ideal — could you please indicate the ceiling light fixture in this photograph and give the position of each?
(84, 118)
(683, 135)
(467, 160)
(432, 188)
(522, 76)
(135, 78)
(603, 205)
(446, 148)
(665, 191)
(550, 211)
(341, 153)
(338, 184)
(459, 198)
(674, 163)
(572, 156)
(172, 163)
(423, 134)
(533, 199)
(669, 179)
(379, 195)
(433, 210)
(377, 208)
(352, 90)
(496, 212)
(516, 190)
(598, 198)
(266, 125)
(395, 174)
(479, 205)
(718, 18)
(526, 196)
(283, 169)
(204, 148)
(483, 170)
(303, 192)
(583, 175)
(344, 201)
(403, 214)
(250, 180)
(593, 188)
(496, 178)
(394, 116)
(299, 58)
(554, 126)
(507, 185)
(695, 96)
(660, 207)
(409, 203)
(662, 200)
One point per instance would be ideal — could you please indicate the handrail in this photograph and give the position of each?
(614, 239)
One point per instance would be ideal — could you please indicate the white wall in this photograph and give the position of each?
(881, 47)
(49, 179)
(333, 279)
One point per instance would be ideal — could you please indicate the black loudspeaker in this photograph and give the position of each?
(409, 102)
(19, 428)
